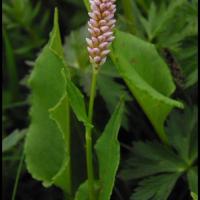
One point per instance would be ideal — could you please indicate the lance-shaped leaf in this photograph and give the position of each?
(46, 141)
(147, 77)
(108, 153)
(87, 4)
(77, 103)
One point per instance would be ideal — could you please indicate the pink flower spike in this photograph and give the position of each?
(103, 45)
(89, 42)
(100, 27)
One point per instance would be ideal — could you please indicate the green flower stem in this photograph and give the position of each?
(92, 94)
(90, 170)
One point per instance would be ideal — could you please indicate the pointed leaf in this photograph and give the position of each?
(147, 76)
(60, 114)
(45, 147)
(108, 153)
(77, 103)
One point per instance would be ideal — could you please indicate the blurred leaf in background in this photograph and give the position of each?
(156, 165)
(20, 18)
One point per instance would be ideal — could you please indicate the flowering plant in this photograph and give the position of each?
(113, 111)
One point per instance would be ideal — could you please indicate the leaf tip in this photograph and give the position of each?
(55, 15)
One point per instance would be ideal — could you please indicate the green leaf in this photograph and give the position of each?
(55, 43)
(182, 133)
(82, 192)
(77, 103)
(151, 158)
(192, 78)
(108, 149)
(156, 187)
(12, 140)
(75, 48)
(192, 177)
(87, 4)
(187, 56)
(186, 24)
(60, 113)
(45, 147)
(147, 76)
(194, 196)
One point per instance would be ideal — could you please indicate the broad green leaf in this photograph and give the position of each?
(156, 187)
(82, 192)
(46, 146)
(12, 140)
(147, 77)
(192, 177)
(60, 113)
(108, 153)
(74, 143)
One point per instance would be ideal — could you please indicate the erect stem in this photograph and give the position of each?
(92, 94)
(90, 170)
